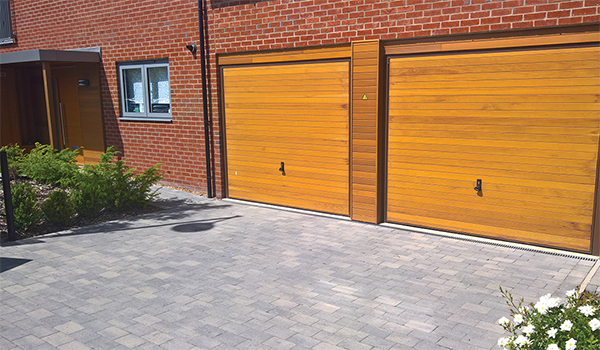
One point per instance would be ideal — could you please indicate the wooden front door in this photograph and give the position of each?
(66, 97)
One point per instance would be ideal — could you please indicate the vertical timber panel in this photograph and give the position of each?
(90, 105)
(10, 131)
(366, 66)
(49, 95)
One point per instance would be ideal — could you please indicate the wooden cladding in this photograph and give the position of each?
(366, 99)
(526, 122)
(10, 131)
(90, 105)
(522, 114)
(296, 114)
(79, 119)
(304, 54)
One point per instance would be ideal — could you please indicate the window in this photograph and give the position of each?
(145, 91)
(6, 33)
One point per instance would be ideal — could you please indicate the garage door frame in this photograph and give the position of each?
(433, 44)
(487, 42)
(283, 59)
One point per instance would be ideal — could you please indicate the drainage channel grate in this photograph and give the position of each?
(534, 250)
(459, 237)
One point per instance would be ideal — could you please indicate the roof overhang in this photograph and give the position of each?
(49, 56)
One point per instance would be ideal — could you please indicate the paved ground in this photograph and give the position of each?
(210, 274)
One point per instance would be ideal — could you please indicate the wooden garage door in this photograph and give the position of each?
(296, 114)
(525, 122)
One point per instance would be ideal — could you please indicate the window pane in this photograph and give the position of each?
(134, 91)
(158, 85)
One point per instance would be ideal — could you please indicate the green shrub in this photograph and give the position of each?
(48, 165)
(552, 325)
(25, 207)
(14, 155)
(88, 192)
(59, 208)
(116, 184)
(141, 185)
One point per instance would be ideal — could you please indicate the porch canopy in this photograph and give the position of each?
(31, 56)
(52, 97)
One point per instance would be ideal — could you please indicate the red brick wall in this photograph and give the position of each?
(238, 25)
(251, 25)
(131, 30)
(147, 29)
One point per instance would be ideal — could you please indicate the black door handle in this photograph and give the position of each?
(281, 168)
(478, 186)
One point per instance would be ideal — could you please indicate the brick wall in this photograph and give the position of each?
(253, 25)
(263, 25)
(147, 29)
(131, 30)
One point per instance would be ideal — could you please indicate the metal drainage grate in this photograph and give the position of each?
(460, 237)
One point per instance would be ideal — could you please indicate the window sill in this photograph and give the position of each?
(144, 119)
(7, 41)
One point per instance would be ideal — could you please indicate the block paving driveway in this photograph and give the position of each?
(208, 274)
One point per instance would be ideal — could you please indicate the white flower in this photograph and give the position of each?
(552, 332)
(553, 347)
(502, 342)
(587, 310)
(594, 324)
(546, 302)
(529, 329)
(572, 293)
(566, 326)
(518, 319)
(570, 345)
(503, 321)
(521, 340)
(523, 309)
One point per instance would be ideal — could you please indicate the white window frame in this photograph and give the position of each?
(147, 115)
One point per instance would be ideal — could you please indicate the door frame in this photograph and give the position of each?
(223, 122)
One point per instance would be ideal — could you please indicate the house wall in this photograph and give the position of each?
(236, 26)
(243, 25)
(152, 29)
(126, 30)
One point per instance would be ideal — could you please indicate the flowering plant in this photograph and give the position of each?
(550, 325)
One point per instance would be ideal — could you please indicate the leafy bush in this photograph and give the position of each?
(88, 192)
(59, 208)
(550, 325)
(48, 165)
(116, 184)
(25, 207)
(112, 185)
(14, 154)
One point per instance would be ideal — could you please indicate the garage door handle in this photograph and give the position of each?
(281, 168)
(478, 186)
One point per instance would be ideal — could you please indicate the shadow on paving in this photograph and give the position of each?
(173, 211)
(10, 263)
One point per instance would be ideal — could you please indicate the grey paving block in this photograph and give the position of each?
(262, 278)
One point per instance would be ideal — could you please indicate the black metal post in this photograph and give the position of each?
(205, 99)
(8, 207)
